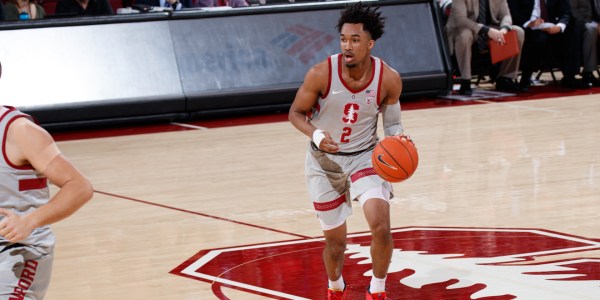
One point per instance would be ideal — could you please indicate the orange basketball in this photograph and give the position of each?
(395, 158)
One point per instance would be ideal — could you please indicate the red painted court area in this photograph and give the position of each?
(427, 263)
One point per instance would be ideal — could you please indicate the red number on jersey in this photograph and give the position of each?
(346, 132)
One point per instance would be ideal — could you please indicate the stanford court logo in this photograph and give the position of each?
(427, 263)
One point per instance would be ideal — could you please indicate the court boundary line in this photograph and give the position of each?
(517, 106)
(202, 214)
(189, 126)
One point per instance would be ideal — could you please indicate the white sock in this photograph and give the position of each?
(377, 285)
(338, 284)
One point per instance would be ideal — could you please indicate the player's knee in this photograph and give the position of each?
(381, 231)
(336, 247)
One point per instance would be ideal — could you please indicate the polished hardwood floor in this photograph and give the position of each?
(505, 204)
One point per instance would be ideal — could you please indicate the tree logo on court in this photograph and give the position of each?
(427, 263)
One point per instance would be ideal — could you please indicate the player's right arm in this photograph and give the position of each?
(314, 86)
(29, 144)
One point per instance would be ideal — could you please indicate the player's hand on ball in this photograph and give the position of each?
(407, 137)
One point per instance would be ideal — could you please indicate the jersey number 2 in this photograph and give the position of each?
(346, 132)
(350, 117)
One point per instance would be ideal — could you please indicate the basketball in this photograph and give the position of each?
(395, 158)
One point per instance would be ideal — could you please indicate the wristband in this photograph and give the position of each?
(317, 137)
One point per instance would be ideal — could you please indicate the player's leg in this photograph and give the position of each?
(332, 217)
(333, 256)
(24, 272)
(376, 207)
(327, 189)
(377, 213)
(373, 193)
(333, 223)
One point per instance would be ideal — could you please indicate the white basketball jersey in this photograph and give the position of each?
(350, 116)
(22, 189)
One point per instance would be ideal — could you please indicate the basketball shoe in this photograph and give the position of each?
(375, 296)
(333, 294)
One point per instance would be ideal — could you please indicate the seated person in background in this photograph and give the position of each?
(548, 25)
(469, 24)
(215, 3)
(84, 7)
(175, 4)
(586, 14)
(1, 11)
(15, 10)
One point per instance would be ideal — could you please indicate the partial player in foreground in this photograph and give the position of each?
(337, 106)
(29, 159)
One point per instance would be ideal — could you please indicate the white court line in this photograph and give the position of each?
(193, 269)
(188, 126)
(510, 104)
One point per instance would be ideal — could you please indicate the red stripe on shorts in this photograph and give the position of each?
(331, 204)
(32, 184)
(362, 173)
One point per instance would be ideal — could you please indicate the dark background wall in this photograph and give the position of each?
(191, 64)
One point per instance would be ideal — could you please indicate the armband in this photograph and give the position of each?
(317, 137)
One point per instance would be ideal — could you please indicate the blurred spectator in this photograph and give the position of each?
(215, 3)
(175, 4)
(586, 14)
(549, 32)
(471, 24)
(15, 10)
(84, 7)
(2, 18)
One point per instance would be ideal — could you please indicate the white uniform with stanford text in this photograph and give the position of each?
(350, 116)
(25, 267)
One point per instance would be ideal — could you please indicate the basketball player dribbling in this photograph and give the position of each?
(337, 106)
(29, 159)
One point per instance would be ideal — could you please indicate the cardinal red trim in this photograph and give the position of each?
(362, 173)
(32, 184)
(325, 206)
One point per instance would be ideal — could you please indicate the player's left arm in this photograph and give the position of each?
(390, 110)
(35, 146)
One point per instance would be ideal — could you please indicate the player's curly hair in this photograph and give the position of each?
(357, 13)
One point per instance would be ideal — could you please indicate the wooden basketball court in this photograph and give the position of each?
(529, 168)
